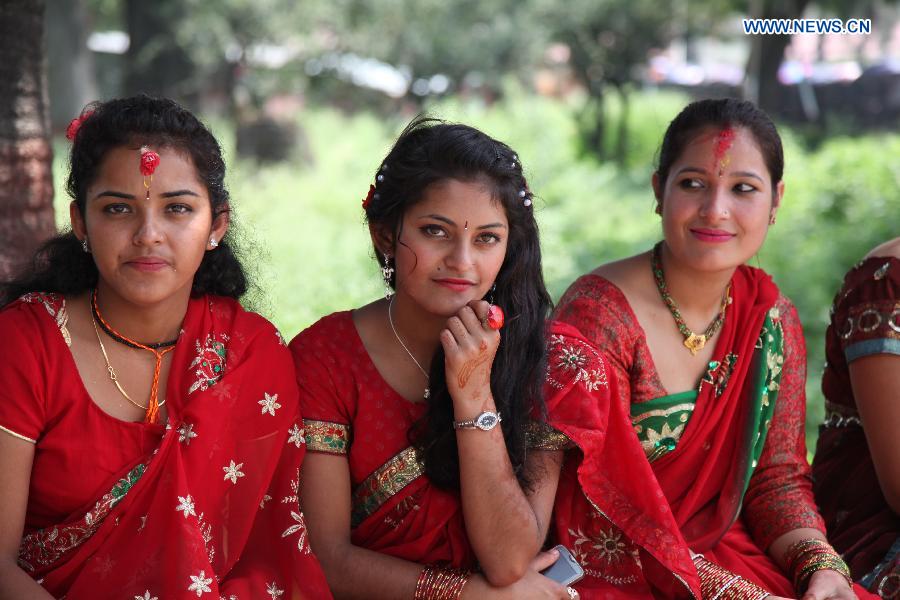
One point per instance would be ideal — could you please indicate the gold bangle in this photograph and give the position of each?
(805, 557)
(435, 583)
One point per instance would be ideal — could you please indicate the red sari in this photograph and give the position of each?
(349, 410)
(726, 482)
(202, 507)
(865, 320)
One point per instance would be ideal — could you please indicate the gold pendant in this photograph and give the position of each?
(695, 343)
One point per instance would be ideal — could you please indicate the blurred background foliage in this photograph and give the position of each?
(307, 98)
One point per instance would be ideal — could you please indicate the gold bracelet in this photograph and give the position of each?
(435, 583)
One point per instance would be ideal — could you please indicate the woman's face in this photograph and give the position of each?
(451, 246)
(717, 200)
(147, 250)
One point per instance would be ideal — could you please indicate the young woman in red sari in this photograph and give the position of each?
(419, 482)
(695, 482)
(149, 426)
(856, 472)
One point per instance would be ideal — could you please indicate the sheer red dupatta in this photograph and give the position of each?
(609, 508)
(706, 475)
(213, 510)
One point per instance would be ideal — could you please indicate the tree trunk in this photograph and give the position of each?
(767, 53)
(155, 63)
(592, 125)
(70, 65)
(26, 182)
(622, 134)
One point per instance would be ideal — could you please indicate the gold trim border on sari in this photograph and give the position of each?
(326, 436)
(542, 436)
(46, 546)
(383, 484)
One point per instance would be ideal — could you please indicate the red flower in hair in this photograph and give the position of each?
(149, 161)
(75, 124)
(368, 199)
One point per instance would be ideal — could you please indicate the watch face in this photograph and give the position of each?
(486, 421)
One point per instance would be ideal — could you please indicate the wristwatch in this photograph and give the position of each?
(485, 422)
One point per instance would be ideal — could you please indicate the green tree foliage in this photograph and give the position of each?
(608, 40)
(472, 42)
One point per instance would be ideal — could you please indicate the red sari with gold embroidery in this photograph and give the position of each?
(865, 320)
(721, 470)
(204, 506)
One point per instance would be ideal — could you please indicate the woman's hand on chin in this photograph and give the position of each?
(469, 349)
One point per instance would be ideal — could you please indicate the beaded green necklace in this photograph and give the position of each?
(692, 341)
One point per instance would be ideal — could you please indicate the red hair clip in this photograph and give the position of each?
(75, 124)
(368, 198)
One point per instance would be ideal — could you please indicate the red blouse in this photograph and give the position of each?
(349, 409)
(78, 447)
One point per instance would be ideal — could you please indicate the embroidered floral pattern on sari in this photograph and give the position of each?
(56, 308)
(661, 422)
(298, 527)
(572, 361)
(541, 436)
(209, 365)
(384, 483)
(774, 349)
(324, 436)
(718, 374)
(46, 546)
(605, 553)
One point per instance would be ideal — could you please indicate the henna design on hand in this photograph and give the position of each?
(472, 364)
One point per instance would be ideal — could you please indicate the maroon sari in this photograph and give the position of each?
(865, 320)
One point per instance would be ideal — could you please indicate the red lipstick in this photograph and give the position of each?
(457, 285)
(715, 236)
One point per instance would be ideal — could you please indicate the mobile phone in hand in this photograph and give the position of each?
(566, 569)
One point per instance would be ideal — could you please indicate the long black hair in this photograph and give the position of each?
(60, 265)
(430, 151)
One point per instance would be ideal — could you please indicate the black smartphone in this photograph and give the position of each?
(566, 569)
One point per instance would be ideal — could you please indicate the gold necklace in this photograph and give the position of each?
(692, 341)
(112, 372)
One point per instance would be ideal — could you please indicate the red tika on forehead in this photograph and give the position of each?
(724, 140)
(149, 161)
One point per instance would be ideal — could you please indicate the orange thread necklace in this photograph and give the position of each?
(152, 414)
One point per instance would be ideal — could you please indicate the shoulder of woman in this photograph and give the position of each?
(248, 324)
(594, 301)
(327, 336)
(888, 249)
(27, 315)
(594, 288)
